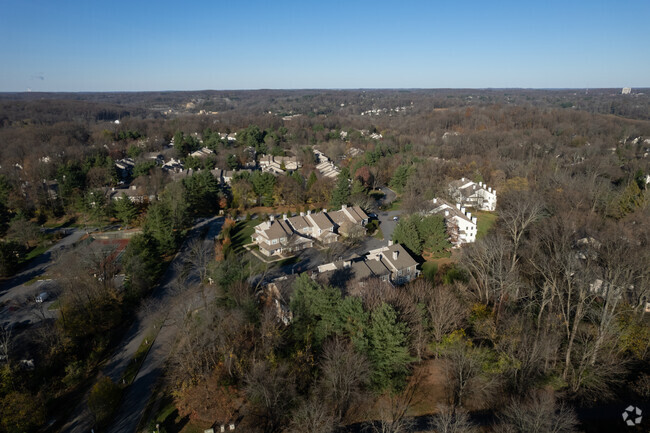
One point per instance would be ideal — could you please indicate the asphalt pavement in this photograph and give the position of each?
(19, 309)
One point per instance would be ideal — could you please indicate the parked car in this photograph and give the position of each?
(42, 297)
(395, 218)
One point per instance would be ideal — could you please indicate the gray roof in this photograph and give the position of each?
(338, 217)
(359, 212)
(322, 221)
(299, 223)
(278, 229)
(404, 259)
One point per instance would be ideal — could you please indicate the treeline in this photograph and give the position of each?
(94, 305)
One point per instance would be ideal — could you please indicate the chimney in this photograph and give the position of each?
(324, 210)
(494, 191)
(462, 179)
(271, 218)
(395, 254)
(458, 206)
(435, 200)
(133, 187)
(474, 220)
(462, 209)
(309, 212)
(469, 215)
(302, 214)
(284, 216)
(390, 243)
(480, 183)
(446, 213)
(489, 189)
(345, 206)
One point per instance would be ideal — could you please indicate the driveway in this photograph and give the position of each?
(387, 224)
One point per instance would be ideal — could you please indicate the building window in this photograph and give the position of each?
(274, 241)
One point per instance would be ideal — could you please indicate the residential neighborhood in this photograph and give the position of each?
(390, 264)
(291, 234)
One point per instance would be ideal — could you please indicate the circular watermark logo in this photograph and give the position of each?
(632, 416)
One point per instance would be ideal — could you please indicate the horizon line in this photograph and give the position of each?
(312, 89)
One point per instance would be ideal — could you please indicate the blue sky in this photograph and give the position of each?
(163, 45)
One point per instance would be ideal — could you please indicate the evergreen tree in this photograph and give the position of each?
(312, 180)
(314, 310)
(406, 233)
(159, 226)
(9, 253)
(401, 177)
(174, 199)
(202, 191)
(232, 161)
(341, 193)
(433, 232)
(125, 210)
(387, 348)
(141, 262)
(263, 185)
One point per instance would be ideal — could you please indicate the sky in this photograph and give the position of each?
(141, 45)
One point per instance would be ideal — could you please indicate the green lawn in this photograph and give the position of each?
(395, 205)
(241, 234)
(429, 270)
(36, 251)
(485, 221)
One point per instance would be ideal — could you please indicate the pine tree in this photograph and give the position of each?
(341, 194)
(125, 210)
(312, 180)
(387, 348)
(406, 233)
(159, 226)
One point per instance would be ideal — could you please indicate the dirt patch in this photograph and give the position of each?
(431, 390)
(429, 381)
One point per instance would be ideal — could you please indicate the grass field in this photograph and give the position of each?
(35, 252)
(485, 221)
(241, 234)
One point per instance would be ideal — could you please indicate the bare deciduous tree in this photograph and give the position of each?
(344, 374)
(445, 313)
(199, 257)
(539, 414)
(393, 417)
(312, 416)
(271, 392)
(6, 342)
(450, 420)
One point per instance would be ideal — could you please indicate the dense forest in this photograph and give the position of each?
(541, 325)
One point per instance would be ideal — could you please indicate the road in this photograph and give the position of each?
(19, 308)
(136, 395)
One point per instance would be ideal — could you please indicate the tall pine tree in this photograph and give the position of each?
(341, 194)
